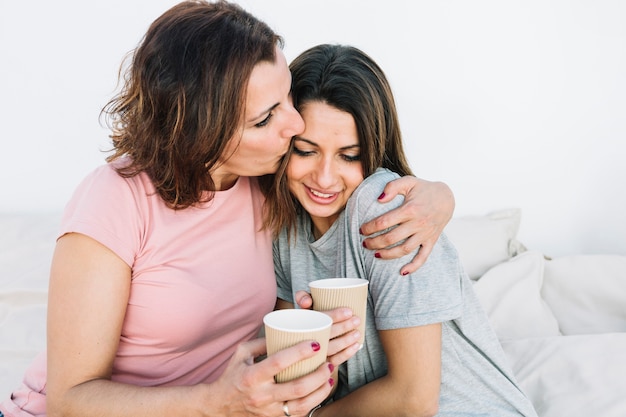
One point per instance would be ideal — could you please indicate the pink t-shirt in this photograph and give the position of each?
(202, 280)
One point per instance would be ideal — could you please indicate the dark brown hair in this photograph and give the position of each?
(184, 95)
(347, 79)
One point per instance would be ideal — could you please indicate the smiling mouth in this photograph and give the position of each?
(320, 199)
(319, 194)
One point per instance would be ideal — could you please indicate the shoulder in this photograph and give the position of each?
(295, 237)
(107, 206)
(375, 183)
(105, 180)
(364, 200)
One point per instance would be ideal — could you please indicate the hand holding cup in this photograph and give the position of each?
(286, 328)
(332, 293)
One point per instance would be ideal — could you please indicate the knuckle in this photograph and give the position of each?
(388, 238)
(275, 362)
(380, 223)
(247, 380)
(299, 390)
(405, 248)
(240, 351)
(414, 209)
(255, 402)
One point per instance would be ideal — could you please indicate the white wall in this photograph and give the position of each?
(512, 103)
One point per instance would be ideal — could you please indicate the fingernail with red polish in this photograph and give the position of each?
(377, 255)
(380, 197)
(331, 367)
(405, 273)
(331, 382)
(316, 346)
(360, 231)
(364, 245)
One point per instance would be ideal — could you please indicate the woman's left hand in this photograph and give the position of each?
(426, 210)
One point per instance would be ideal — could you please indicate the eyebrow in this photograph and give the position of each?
(263, 113)
(310, 142)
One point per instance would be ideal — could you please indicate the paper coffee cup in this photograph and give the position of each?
(332, 293)
(286, 328)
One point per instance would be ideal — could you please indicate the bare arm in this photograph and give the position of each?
(411, 386)
(427, 209)
(89, 292)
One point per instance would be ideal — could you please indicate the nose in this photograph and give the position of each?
(295, 124)
(326, 173)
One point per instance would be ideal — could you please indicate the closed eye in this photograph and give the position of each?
(351, 158)
(300, 152)
(265, 121)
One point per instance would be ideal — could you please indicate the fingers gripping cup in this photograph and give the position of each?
(331, 293)
(286, 328)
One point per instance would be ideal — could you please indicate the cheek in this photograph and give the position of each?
(355, 178)
(291, 173)
(260, 145)
(293, 181)
(296, 168)
(264, 142)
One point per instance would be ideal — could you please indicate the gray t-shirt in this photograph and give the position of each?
(476, 379)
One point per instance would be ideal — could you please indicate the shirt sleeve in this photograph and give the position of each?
(104, 207)
(432, 294)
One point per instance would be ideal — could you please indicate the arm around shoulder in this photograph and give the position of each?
(427, 209)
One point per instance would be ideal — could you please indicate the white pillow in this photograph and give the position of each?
(587, 293)
(485, 241)
(510, 293)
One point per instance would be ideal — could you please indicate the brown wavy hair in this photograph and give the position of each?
(349, 80)
(183, 96)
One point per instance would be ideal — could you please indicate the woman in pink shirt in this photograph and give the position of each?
(163, 266)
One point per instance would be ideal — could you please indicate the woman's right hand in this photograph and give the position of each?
(247, 388)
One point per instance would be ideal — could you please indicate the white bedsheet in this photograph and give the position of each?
(572, 376)
(566, 370)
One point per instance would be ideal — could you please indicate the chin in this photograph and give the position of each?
(267, 171)
(323, 214)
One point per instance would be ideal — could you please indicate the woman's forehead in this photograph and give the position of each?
(268, 86)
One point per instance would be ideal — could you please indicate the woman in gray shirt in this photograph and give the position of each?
(429, 348)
